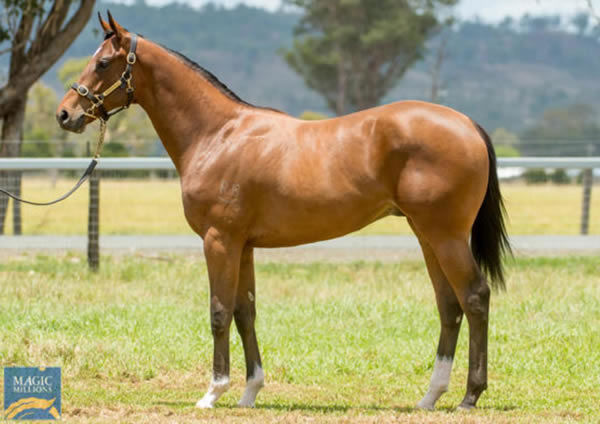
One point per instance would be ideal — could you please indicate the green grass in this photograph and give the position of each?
(340, 342)
(154, 207)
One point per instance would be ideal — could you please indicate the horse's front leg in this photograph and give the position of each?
(245, 314)
(223, 262)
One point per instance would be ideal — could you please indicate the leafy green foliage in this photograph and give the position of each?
(504, 151)
(115, 149)
(505, 143)
(559, 176)
(40, 132)
(11, 13)
(353, 52)
(71, 69)
(535, 176)
(309, 115)
(39, 147)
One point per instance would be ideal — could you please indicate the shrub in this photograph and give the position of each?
(505, 151)
(559, 176)
(309, 115)
(535, 176)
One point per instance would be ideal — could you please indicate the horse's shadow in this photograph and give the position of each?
(296, 407)
(334, 408)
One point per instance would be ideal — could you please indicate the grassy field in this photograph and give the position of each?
(340, 342)
(154, 207)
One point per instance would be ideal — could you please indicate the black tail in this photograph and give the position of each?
(489, 241)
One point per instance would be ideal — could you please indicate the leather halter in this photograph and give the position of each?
(97, 103)
(123, 82)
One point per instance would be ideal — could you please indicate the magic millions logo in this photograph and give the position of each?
(32, 393)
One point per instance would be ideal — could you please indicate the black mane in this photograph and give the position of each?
(209, 76)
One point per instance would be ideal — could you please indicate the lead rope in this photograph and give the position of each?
(100, 143)
(83, 178)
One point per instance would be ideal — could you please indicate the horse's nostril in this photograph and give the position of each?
(64, 116)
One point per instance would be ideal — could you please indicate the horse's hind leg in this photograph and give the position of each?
(245, 314)
(223, 263)
(471, 289)
(450, 318)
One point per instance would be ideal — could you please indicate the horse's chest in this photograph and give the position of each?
(212, 203)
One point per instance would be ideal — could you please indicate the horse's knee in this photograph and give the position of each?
(220, 317)
(477, 300)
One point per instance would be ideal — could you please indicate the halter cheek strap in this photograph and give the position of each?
(124, 81)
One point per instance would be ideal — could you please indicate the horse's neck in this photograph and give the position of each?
(185, 109)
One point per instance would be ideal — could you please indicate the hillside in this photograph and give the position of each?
(503, 76)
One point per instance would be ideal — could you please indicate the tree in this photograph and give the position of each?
(437, 84)
(353, 52)
(40, 129)
(35, 33)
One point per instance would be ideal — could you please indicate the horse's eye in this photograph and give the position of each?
(102, 64)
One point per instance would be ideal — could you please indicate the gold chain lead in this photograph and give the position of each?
(100, 138)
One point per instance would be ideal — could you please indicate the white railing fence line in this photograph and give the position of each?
(587, 164)
(153, 163)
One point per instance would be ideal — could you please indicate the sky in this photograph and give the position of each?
(487, 10)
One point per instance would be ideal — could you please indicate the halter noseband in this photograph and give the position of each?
(123, 82)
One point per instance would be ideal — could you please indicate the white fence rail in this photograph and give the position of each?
(136, 163)
(163, 163)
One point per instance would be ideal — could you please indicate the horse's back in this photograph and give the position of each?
(412, 140)
(427, 157)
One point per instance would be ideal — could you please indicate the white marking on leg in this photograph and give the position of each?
(439, 382)
(216, 389)
(253, 386)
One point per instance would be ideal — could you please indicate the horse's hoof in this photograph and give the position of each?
(465, 407)
(424, 406)
(204, 404)
(243, 404)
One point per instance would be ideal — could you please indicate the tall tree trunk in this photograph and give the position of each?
(436, 79)
(46, 46)
(12, 137)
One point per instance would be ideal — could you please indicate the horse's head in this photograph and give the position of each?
(106, 85)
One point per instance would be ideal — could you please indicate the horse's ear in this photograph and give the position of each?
(105, 26)
(115, 27)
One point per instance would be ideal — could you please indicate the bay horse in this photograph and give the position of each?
(254, 177)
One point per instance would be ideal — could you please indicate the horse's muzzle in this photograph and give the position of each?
(70, 121)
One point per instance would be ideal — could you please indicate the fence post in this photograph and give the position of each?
(17, 219)
(587, 181)
(93, 248)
